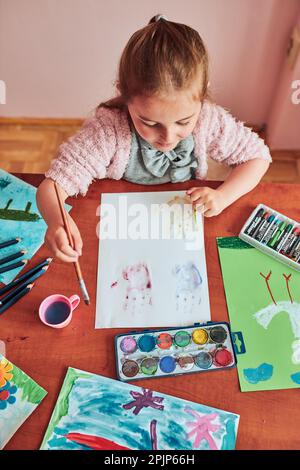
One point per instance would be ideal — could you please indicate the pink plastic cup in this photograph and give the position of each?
(57, 310)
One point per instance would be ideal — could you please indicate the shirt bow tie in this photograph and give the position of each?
(180, 160)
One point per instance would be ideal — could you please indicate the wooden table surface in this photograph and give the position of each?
(268, 420)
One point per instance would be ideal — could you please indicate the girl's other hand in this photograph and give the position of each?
(207, 200)
(56, 240)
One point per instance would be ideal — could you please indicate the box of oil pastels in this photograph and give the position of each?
(174, 351)
(273, 234)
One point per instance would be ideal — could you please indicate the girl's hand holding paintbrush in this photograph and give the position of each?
(56, 238)
(57, 241)
(62, 237)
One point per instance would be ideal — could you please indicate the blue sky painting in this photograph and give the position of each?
(95, 412)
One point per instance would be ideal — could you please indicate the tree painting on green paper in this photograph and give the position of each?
(98, 413)
(263, 301)
(19, 396)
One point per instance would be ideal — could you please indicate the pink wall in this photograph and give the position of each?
(59, 57)
(284, 118)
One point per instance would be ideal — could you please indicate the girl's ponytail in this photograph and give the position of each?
(161, 56)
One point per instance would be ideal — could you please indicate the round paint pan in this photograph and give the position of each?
(146, 343)
(164, 341)
(203, 360)
(128, 345)
(182, 339)
(167, 364)
(149, 366)
(130, 368)
(186, 362)
(222, 357)
(218, 334)
(200, 336)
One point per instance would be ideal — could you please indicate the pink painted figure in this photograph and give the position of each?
(202, 428)
(138, 291)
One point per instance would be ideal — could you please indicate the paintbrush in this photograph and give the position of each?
(70, 238)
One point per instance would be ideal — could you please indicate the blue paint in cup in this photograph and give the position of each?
(57, 313)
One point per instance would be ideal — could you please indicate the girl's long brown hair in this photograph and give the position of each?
(160, 56)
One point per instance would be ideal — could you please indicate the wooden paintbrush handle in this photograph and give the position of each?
(76, 263)
(64, 216)
(67, 228)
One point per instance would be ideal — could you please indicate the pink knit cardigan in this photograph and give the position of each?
(101, 148)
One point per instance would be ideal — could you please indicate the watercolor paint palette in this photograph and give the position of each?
(174, 351)
(274, 234)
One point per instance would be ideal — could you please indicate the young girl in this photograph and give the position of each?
(160, 128)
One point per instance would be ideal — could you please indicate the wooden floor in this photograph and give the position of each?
(28, 146)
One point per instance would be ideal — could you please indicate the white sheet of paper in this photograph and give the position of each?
(150, 282)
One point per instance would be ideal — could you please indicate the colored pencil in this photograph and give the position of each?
(10, 242)
(70, 238)
(17, 297)
(11, 266)
(16, 255)
(23, 284)
(25, 276)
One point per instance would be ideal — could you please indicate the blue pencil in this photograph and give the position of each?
(10, 242)
(18, 289)
(19, 254)
(11, 266)
(15, 299)
(24, 276)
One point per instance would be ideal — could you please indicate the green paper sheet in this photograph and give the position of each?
(263, 300)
